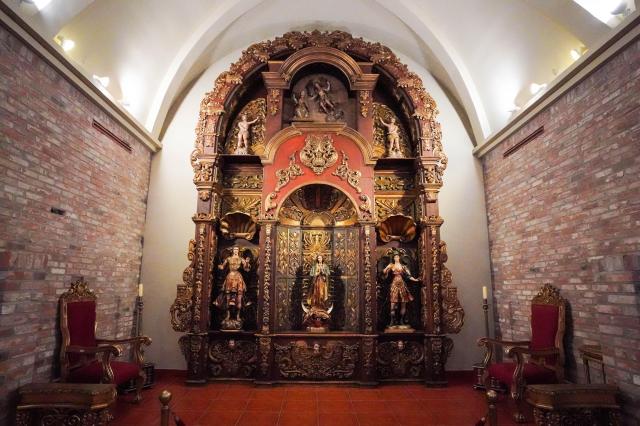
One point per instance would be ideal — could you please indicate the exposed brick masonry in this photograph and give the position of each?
(565, 209)
(50, 156)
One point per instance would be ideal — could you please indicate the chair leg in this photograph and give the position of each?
(139, 384)
(518, 416)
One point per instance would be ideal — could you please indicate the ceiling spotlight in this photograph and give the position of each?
(621, 9)
(66, 43)
(514, 109)
(39, 4)
(103, 81)
(535, 88)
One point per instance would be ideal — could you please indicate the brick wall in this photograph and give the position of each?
(565, 209)
(50, 156)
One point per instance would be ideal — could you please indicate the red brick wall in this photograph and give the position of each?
(565, 209)
(50, 156)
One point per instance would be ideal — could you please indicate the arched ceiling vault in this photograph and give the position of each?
(485, 53)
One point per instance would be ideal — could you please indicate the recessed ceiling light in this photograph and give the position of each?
(536, 88)
(577, 53)
(103, 81)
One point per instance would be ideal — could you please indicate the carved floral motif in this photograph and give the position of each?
(393, 183)
(400, 359)
(242, 181)
(232, 358)
(333, 360)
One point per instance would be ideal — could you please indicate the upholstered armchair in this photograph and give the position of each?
(536, 361)
(87, 359)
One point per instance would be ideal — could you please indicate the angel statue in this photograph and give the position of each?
(393, 137)
(322, 94)
(233, 289)
(302, 108)
(316, 313)
(399, 293)
(242, 146)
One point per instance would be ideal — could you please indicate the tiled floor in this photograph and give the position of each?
(233, 403)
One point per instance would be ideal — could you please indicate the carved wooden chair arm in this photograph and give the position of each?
(94, 350)
(137, 342)
(105, 352)
(533, 352)
(489, 343)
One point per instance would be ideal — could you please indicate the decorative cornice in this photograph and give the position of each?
(622, 36)
(51, 54)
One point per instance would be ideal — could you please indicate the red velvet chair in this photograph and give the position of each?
(86, 359)
(537, 361)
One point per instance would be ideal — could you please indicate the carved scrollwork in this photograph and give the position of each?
(400, 360)
(242, 182)
(249, 204)
(386, 207)
(203, 172)
(345, 173)
(181, 309)
(393, 183)
(284, 176)
(79, 290)
(368, 283)
(232, 358)
(548, 295)
(453, 313)
(333, 360)
(266, 286)
(265, 352)
(365, 103)
(273, 100)
(366, 212)
(318, 153)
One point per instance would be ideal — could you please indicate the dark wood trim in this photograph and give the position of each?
(523, 142)
(108, 133)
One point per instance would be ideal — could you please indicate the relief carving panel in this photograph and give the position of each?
(332, 360)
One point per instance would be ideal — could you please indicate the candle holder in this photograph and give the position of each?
(478, 368)
(138, 312)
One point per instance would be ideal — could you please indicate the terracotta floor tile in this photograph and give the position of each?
(332, 394)
(337, 419)
(335, 406)
(301, 394)
(219, 418)
(265, 405)
(300, 405)
(298, 419)
(365, 395)
(368, 419)
(257, 418)
(370, 407)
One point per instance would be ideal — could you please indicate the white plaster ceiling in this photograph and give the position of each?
(485, 53)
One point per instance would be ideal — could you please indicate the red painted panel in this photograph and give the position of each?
(342, 144)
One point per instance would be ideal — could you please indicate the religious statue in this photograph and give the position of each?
(302, 108)
(242, 146)
(316, 313)
(393, 137)
(233, 289)
(399, 293)
(322, 97)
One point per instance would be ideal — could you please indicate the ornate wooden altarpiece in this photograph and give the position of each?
(317, 176)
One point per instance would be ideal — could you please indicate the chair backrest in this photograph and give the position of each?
(548, 324)
(77, 323)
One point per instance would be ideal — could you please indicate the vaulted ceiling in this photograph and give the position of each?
(484, 53)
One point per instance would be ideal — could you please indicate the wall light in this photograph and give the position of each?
(103, 81)
(66, 43)
(577, 53)
(535, 88)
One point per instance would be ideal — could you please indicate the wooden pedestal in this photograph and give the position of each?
(65, 404)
